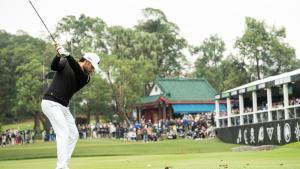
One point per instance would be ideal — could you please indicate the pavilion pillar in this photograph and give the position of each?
(286, 101)
(241, 107)
(217, 103)
(228, 101)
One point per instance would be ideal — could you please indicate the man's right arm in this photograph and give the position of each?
(58, 64)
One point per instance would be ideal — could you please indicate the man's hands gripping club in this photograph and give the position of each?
(61, 50)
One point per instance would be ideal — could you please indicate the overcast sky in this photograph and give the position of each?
(197, 19)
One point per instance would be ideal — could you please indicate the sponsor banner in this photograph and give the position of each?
(269, 133)
(251, 88)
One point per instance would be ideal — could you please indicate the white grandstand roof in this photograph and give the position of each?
(282, 76)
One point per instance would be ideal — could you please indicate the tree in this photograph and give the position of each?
(207, 65)
(96, 98)
(82, 34)
(126, 79)
(211, 51)
(232, 73)
(29, 89)
(132, 44)
(283, 58)
(264, 49)
(169, 53)
(17, 50)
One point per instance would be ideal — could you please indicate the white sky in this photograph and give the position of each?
(197, 19)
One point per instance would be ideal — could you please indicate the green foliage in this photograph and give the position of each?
(211, 51)
(169, 49)
(126, 79)
(209, 64)
(262, 52)
(29, 86)
(96, 97)
(17, 50)
(132, 44)
(232, 73)
(131, 58)
(82, 34)
(265, 51)
(30, 89)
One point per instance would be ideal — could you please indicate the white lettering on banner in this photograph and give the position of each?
(261, 134)
(245, 137)
(287, 132)
(297, 132)
(239, 139)
(278, 133)
(283, 133)
(252, 136)
(270, 132)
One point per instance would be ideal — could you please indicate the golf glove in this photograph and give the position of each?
(62, 51)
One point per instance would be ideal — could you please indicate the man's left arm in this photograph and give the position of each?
(77, 69)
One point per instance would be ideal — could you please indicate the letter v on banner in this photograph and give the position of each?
(270, 132)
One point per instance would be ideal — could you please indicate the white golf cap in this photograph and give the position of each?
(94, 59)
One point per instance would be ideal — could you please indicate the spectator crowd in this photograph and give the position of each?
(16, 137)
(196, 126)
(188, 126)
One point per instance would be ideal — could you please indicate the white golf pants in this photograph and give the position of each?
(65, 129)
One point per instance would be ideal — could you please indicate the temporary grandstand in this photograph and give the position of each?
(265, 111)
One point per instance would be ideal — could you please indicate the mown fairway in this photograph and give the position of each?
(177, 154)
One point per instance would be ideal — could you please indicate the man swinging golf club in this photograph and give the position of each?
(70, 77)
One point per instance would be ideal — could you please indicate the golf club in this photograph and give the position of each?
(42, 22)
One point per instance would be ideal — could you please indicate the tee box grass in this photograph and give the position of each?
(175, 154)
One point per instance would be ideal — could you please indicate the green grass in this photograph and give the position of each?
(179, 154)
(88, 148)
(24, 125)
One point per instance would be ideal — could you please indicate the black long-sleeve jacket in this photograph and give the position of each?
(68, 79)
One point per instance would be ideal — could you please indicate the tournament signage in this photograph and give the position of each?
(251, 88)
(269, 133)
(225, 95)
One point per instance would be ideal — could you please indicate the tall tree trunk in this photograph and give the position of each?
(88, 117)
(42, 120)
(36, 125)
(124, 116)
(97, 117)
(121, 113)
(257, 66)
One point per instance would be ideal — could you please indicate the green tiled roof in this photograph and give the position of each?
(149, 99)
(186, 89)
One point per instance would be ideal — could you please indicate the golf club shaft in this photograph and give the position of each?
(42, 21)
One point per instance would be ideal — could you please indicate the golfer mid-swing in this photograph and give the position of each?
(69, 78)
